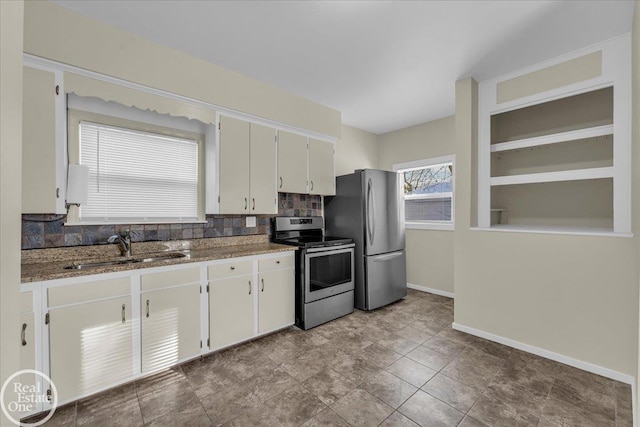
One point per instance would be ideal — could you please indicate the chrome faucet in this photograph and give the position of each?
(123, 239)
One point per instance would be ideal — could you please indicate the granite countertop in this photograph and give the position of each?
(49, 264)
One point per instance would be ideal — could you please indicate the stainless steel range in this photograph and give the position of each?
(324, 270)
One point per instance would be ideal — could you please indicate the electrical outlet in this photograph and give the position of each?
(250, 221)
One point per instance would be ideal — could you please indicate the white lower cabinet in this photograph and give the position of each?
(276, 299)
(170, 326)
(94, 338)
(231, 311)
(90, 346)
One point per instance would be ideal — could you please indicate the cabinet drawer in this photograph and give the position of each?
(26, 302)
(230, 269)
(83, 292)
(149, 282)
(280, 262)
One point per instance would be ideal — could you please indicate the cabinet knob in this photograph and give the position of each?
(232, 268)
(277, 261)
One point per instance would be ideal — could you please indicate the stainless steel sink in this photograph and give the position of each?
(125, 261)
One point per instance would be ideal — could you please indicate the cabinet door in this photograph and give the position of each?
(234, 166)
(264, 196)
(170, 326)
(321, 172)
(39, 184)
(292, 163)
(90, 346)
(277, 293)
(231, 311)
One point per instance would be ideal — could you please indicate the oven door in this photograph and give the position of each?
(328, 271)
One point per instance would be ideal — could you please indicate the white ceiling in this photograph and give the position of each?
(385, 65)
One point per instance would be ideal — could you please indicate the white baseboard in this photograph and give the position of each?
(585, 366)
(430, 290)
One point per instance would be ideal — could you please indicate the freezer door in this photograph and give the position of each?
(386, 279)
(384, 212)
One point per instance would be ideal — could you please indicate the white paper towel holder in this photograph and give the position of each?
(77, 185)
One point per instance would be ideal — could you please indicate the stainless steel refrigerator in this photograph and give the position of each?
(369, 208)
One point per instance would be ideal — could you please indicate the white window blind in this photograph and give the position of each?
(138, 176)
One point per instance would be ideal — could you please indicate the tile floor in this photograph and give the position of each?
(402, 365)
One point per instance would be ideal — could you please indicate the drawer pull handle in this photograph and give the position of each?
(124, 319)
(311, 185)
(245, 203)
(147, 308)
(280, 182)
(232, 268)
(262, 280)
(23, 335)
(249, 287)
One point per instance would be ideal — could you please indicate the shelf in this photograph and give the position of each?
(570, 175)
(555, 138)
(581, 231)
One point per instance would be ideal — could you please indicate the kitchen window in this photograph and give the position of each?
(138, 172)
(428, 193)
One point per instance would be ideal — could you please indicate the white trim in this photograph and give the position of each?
(569, 175)
(418, 164)
(431, 290)
(553, 138)
(576, 231)
(576, 363)
(42, 62)
(443, 195)
(444, 226)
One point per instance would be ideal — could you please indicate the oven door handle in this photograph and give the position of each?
(341, 248)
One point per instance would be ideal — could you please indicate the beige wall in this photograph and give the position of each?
(635, 40)
(56, 33)
(356, 149)
(11, 24)
(429, 252)
(573, 295)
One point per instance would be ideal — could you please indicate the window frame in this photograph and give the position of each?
(75, 117)
(425, 163)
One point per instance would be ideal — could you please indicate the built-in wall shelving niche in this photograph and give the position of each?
(558, 161)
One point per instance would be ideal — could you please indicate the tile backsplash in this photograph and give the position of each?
(48, 231)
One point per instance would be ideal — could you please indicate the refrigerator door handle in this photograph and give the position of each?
(387, 257)
(371, 219)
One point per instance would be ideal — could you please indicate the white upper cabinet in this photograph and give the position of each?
(263, 192)
(305, 165)
(321, 168)
(247, 168)
(43, 173)
(292, 163)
